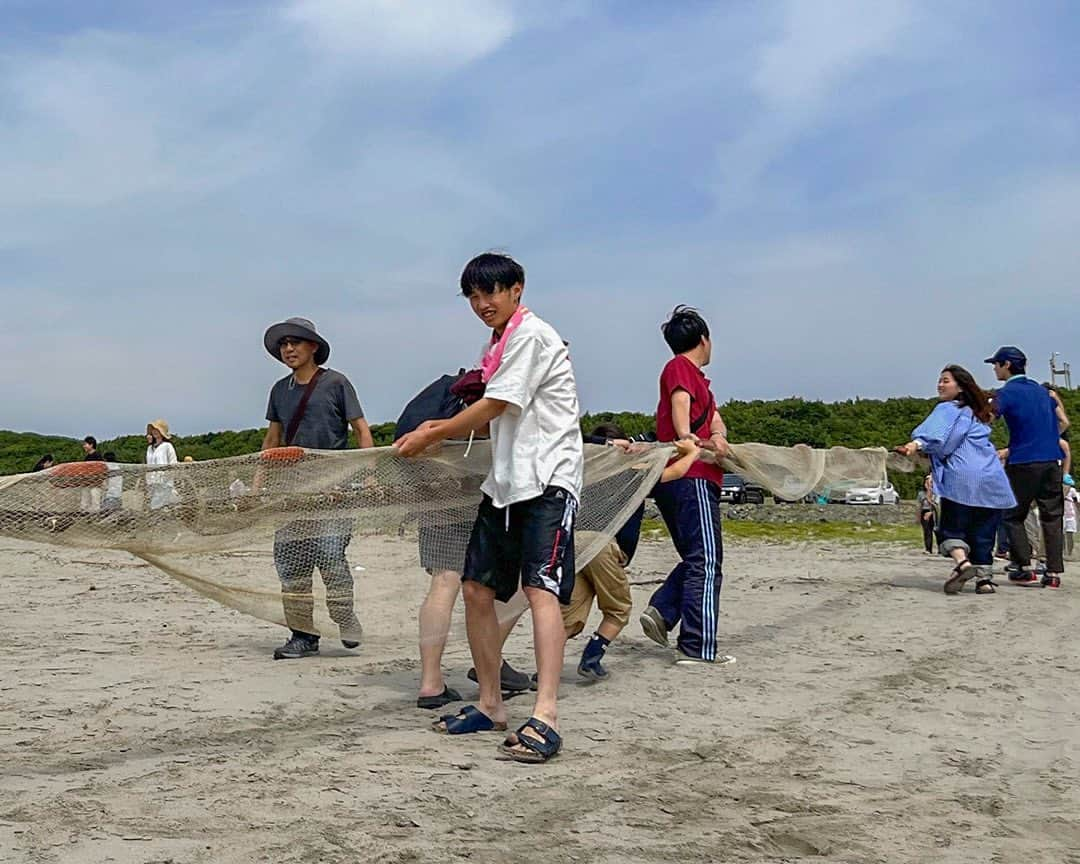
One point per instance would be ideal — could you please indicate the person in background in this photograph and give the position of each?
(1072, 508)
(114, 485)
(159, 451)
(968, 477)
(44, 463)
(90, 450)
(1063, 428)
(1033, 465)
(927, 502)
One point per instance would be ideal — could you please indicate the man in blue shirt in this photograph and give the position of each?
(1032, 464)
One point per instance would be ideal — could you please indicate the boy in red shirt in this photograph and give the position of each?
(690, 595)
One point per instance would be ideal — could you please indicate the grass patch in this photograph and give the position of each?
(803, 532)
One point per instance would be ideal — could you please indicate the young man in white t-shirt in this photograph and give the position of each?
(523, 534)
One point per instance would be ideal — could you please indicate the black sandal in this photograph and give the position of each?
(985, 586)
(537, 750)
(439, 700)
(961, 573)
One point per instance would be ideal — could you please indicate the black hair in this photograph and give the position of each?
(971, 394)
(110, 456)
(684, 330)
(490, 271)
(1016, 367)
(91, 440)
(40, 464)
(609, 431)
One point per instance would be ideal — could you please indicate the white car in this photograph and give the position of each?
(882, 494)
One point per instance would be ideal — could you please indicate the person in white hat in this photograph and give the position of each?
(159, 451)
(312, 407)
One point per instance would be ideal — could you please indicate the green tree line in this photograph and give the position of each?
(782, 422)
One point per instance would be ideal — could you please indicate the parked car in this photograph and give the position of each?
(737, 490)
(882, 494)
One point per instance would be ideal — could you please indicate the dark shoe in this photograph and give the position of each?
(1024, 578)
(439, 700)
(654, 626)
(351, 634)
(590, 667)
(1049, 581)
(510, 680)
(297, 647)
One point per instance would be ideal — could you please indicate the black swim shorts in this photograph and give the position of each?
(529, 544)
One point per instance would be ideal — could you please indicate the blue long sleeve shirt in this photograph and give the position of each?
(964, 463)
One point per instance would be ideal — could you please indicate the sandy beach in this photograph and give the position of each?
(868, 718)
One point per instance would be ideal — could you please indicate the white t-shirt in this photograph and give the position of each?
(162, 454)
(536, 441)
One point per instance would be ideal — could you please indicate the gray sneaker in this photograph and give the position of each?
(653, 625)
(297, 647)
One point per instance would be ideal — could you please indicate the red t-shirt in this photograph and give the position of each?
(680, 373)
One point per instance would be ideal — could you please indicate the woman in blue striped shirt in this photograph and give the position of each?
(970, 482)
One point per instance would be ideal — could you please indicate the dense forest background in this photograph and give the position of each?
(784, 422)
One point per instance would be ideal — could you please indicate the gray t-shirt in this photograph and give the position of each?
(325, 425)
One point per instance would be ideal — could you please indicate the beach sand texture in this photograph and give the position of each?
(868, 718)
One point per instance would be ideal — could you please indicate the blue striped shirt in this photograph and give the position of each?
(964, 463)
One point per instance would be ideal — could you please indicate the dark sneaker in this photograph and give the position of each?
(510, 680)
(590, 667)
(1024, 578)
(298, 647)
(654, 626)
(1049, 581)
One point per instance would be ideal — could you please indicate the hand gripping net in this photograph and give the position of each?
(286, 535)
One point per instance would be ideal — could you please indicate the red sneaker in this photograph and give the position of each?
(1051, 581)
(1025, 578)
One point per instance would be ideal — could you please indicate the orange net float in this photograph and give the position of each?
(74, 475)
(282, 455)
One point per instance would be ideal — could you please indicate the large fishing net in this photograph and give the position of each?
(287, 535)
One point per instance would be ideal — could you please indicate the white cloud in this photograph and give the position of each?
(416, 34)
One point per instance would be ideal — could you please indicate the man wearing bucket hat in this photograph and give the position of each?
(312, 407)
(1032, 463)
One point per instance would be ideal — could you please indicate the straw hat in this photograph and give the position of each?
(161, 427)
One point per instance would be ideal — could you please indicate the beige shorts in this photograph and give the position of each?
(604, 578)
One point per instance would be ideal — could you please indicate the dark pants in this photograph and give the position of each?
(691, 592)
(1039, 483)
(972, 529)
(927, 529)
(295, 560)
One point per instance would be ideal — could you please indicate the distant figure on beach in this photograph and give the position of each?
(312, 407)
(114, 485)
(1072, 509)
(1033, 465)
(690, 596)
(927, 504)
(159, 451)
(90, 451)
(971, 484)
(44, 463)
(1063, 428)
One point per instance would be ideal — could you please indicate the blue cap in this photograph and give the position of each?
(1008, 354)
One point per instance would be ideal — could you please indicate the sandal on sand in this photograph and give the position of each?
(439, 700)
(537, 750)
(468, 720)
(963, 571)
(985, 586)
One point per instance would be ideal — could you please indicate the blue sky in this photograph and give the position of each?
(854, 193)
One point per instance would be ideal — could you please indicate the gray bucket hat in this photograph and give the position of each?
(300, 328)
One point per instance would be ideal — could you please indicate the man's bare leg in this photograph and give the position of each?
(435, 615)
(549, 640)
(485, 643)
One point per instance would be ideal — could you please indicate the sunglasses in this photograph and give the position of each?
(286, 341)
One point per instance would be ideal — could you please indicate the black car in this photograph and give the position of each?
(736, 490)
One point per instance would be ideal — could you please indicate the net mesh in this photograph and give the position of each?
(287, 534)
